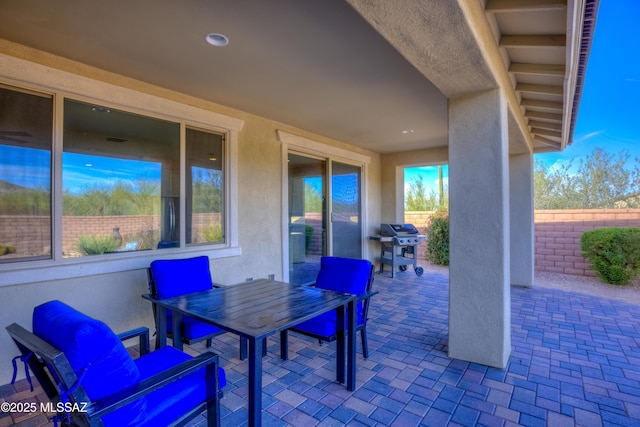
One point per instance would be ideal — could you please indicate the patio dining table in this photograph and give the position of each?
(260, 308)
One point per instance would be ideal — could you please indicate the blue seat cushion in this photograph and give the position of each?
(347, 275)
(170, 402)
(89, 343)
(323, 325)
(177, 277)
(192, 328)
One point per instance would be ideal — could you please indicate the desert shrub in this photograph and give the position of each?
(7, 249)
(437, 251)
(212, 232)
(614, 253)
(308, 235)
(89, 244)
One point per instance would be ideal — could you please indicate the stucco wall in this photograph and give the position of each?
(115, 298)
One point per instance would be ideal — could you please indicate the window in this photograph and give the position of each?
(26, 129)
(120, 181)
(205, 187)
(120, 177)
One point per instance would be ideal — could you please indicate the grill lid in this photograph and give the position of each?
(396, 230)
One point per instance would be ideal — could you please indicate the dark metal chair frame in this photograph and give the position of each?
(47, 362)
(154, 293)
(366, 297)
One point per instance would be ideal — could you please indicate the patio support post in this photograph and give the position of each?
(522, 224)
(479, 282)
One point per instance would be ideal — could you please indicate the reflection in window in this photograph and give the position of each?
(26, 124)
(120, 180)
(205, 187)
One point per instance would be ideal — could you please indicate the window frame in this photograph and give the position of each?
(60, 85)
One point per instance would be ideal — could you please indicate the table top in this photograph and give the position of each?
(258, 308)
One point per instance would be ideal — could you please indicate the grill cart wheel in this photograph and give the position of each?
(402, 267)
(419, 271)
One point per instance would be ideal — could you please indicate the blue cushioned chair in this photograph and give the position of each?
(81, 363)
(348, 275)
(171, 278)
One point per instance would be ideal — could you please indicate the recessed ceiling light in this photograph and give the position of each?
(407, 131)
(216, 39)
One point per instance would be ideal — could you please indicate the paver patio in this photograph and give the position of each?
(575, 361)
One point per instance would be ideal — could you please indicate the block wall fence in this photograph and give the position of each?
(557, 235)
(31, 235)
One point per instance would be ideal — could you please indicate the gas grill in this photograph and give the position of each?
(398, 243)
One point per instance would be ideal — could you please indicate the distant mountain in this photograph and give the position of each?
(7, 187)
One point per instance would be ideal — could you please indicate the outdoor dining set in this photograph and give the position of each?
(84, 367)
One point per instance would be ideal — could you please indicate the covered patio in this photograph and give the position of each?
(575, 361)
(339, 96)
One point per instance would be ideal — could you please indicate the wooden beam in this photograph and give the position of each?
(547, 142)
(543, 105)
(495, 6)
(551, 40)
(545, 125)
(544, 132)
(546, 89)
(537, 69)
(556, 118)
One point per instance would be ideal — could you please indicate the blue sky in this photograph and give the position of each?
(608, 113)
(608, 116)
(81, 171)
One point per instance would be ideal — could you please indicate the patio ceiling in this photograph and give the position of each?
(347, 70)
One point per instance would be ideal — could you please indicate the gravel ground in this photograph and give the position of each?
(583, 284)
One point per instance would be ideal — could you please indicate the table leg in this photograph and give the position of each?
(351, 346)
(340, 322)
(243, 348)
(255, 381)
(177, 330)
(161, 327)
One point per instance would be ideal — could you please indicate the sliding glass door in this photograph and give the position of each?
(346, 215)
(324, 218)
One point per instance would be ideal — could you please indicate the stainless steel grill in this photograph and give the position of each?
(398, 247)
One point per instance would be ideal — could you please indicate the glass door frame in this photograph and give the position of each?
(306, 147)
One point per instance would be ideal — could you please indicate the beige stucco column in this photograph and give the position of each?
(522, 227)
(479, 282)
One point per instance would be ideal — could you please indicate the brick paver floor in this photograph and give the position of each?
(575, 362)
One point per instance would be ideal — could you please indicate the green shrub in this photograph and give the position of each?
(89, 244)
(437, 251)
(212, 232)
(614, 253)
(7, 249)
(308, 234)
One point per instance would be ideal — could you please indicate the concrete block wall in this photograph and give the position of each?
(31, 234)
(557, 235)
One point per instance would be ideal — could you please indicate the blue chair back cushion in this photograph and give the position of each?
(94, 352)
(181, 276)
(348, 275)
